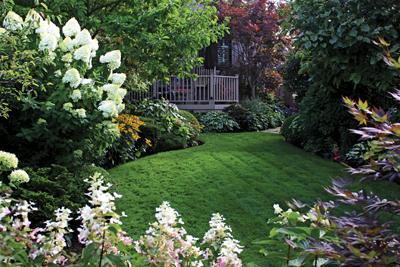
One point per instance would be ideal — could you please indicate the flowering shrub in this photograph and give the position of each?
(102, 238)
(130, 145)
(72, 100)
(166, 242)
(165, 126)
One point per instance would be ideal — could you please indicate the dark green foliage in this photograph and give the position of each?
(53, 187)
(215, 121)
(293, 80)
(165, 126)
(193, 121)
(355, 156)
(262, 115)
(239, 114)
(336, 41)
(162, 140)
(292, 130)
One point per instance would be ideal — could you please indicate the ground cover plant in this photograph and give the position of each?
(216, 121)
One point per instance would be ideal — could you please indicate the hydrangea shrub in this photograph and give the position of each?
(100, 234)
(71, 114)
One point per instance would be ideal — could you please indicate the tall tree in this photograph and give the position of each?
(158, 37)
(337, 42)
(254, 28)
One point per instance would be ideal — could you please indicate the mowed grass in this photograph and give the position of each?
(239, 175)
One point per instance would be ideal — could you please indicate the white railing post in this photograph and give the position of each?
(211, 94)
(236, 88)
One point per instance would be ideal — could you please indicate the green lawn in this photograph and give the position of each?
(240, 175)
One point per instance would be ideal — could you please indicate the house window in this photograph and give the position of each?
(224, 53)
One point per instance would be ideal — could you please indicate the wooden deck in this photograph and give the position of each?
(207, 92)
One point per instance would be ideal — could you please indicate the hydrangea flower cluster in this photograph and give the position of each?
(14, 225)
(52, 243)
(8, 162)
(219, 237)
(166, 242)
(98, 218)
(75, 49)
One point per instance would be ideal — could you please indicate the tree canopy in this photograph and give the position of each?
(158, 37)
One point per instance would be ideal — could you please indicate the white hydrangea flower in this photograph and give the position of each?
(110, 87)
(83, 38)
(47, 42)
(83, 53)
(80, 113)
(71, 28)
(72, 77)
(33, 18)
(277, 209)
(229, 253)
(13, 21)
(76, 95)
(67, 58)
(58, 73)
(67, 44)
(68, 106)
(49, 27)
(41, 121)
(94, 45)
(117, 78)
(112, 58)
(166, 215)
(108, 108)
(2, 30)
(114, 96)
(120, 107)
(87, 82)
(122, 92)
(8, 161)
(18, 177)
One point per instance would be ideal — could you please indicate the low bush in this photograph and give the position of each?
(215, 121)
(263, 115)
(130, 144)
(193, 121)
(166, 126)
(239, 114)
(292, 130)
(52, 187)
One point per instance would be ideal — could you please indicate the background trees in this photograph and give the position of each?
(254, 29)
(158, 37)
(334, 41)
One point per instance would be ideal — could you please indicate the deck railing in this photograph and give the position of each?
(205, 90)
